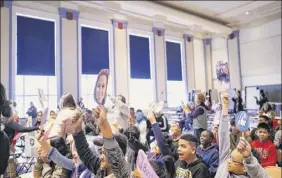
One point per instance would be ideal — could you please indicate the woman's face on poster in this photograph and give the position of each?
(101, 88)
(225, 69)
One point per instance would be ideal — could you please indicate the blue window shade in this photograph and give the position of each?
(35, 47)
(173, 55)
(95, 50)
(139, 57)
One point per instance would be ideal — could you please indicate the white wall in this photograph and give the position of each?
(5, 48)
(118, 45)
(261, 54)
(219, 53)
(199, 64)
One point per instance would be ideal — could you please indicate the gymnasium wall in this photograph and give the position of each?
(261, 54)
(68, 48)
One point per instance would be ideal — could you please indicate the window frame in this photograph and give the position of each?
(150, 36)
(40, 15)
(183, 62)
(98, 26)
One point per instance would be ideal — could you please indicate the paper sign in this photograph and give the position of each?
(100, 89)
(156, 107)
(242, 121)
(144, 166)
(30, 147)
(41, 95)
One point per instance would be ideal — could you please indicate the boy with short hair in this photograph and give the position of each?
(189, 165)
(208, 151)
(264, 146)
(262, 119)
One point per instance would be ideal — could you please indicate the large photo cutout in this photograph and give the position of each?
(222, 72)
(100, 89)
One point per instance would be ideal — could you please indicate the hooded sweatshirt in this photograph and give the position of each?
(197, 169)
(254, 169)
(210, 156)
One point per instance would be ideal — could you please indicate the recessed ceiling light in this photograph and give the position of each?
(247, 13)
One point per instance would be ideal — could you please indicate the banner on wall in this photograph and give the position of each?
(222, 72)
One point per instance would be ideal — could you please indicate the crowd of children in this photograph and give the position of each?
(83, 143)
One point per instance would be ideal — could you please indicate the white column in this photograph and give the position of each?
(189, 64)
(6, 48)
(121, 65)
(208, 63)
(234, 60)
(69, 61)
(160, 64)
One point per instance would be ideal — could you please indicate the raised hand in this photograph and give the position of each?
(100, 115)
(45, 144)
(151, 117)
(186, 109)
(244, 148)
(77, 123)
(225, 102)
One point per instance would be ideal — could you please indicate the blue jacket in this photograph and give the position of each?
(210, 156)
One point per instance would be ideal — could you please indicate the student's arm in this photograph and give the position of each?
(114, 153)
(223, 133)
(164, 148)
(19, 128)
(89, 159)
(198, 111)
(253, 168)
(272, 157)
(60, 160)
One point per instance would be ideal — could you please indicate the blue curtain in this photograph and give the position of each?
(35, 47)
(139, 57)
(173, 55)
(95, 50)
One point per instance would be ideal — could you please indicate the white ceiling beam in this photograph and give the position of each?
(147, 8)
(246, 8)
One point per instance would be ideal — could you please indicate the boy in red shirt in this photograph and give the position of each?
(264, 146)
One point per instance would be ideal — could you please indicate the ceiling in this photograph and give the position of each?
(230, 13)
